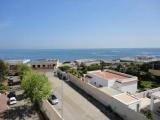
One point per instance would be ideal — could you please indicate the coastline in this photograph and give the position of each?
(73, 54)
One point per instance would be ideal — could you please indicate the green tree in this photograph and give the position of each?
(145, 67)
(22, 70)
(65, 68)
(119, 67)
(76, 73)
(102, 65)
(3, 88)
(133, 69)
(82, 68)
(3, 70)
(93, 67)
(36, 86)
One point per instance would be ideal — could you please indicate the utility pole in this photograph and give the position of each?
(62, 97)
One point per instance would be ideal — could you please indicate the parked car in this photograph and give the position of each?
(12, 94)
(9, 73)
(10, 78)
(12, 101)
(53, 100)
(10, 82)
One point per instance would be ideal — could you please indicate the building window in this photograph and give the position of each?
(39, 66)
(33, 66)
(44, 66)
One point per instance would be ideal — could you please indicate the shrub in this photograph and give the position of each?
(3, 70)
(76, 73)
(3, 88)
(147, 113)
(65, 68)
(93, 67)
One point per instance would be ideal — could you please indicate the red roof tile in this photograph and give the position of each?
(110, 75)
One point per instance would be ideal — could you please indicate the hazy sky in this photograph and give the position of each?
(79, 23)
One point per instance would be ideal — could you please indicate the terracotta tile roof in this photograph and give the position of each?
(110, 75)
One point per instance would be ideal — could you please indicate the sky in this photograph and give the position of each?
(61, 24)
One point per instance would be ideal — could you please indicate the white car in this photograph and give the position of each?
(12, 100)
(53, 100)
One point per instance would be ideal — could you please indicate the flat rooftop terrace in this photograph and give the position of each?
(126, 98)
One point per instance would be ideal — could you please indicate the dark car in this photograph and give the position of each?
(10, 82)
(12, 94)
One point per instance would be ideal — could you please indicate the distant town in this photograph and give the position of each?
(124, 89)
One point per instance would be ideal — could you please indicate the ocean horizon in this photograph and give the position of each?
(80, 53)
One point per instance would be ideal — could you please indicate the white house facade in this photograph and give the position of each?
(112, 79)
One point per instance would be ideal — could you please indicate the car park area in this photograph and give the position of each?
(18, 107)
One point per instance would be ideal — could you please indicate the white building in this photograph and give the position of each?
(112, 79)
(131, 101)
(117, 85)
(144, 59)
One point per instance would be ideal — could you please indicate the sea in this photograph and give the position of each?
(73, 54)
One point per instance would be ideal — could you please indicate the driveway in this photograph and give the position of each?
(74, 106)
(3, 103)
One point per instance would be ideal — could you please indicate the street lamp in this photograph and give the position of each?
(62, 98)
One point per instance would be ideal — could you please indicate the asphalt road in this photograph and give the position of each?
(72, 105)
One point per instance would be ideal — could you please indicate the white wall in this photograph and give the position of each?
(134, 106)
(117, 86)
(111, 83)
(50, 111)
(131, 87)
